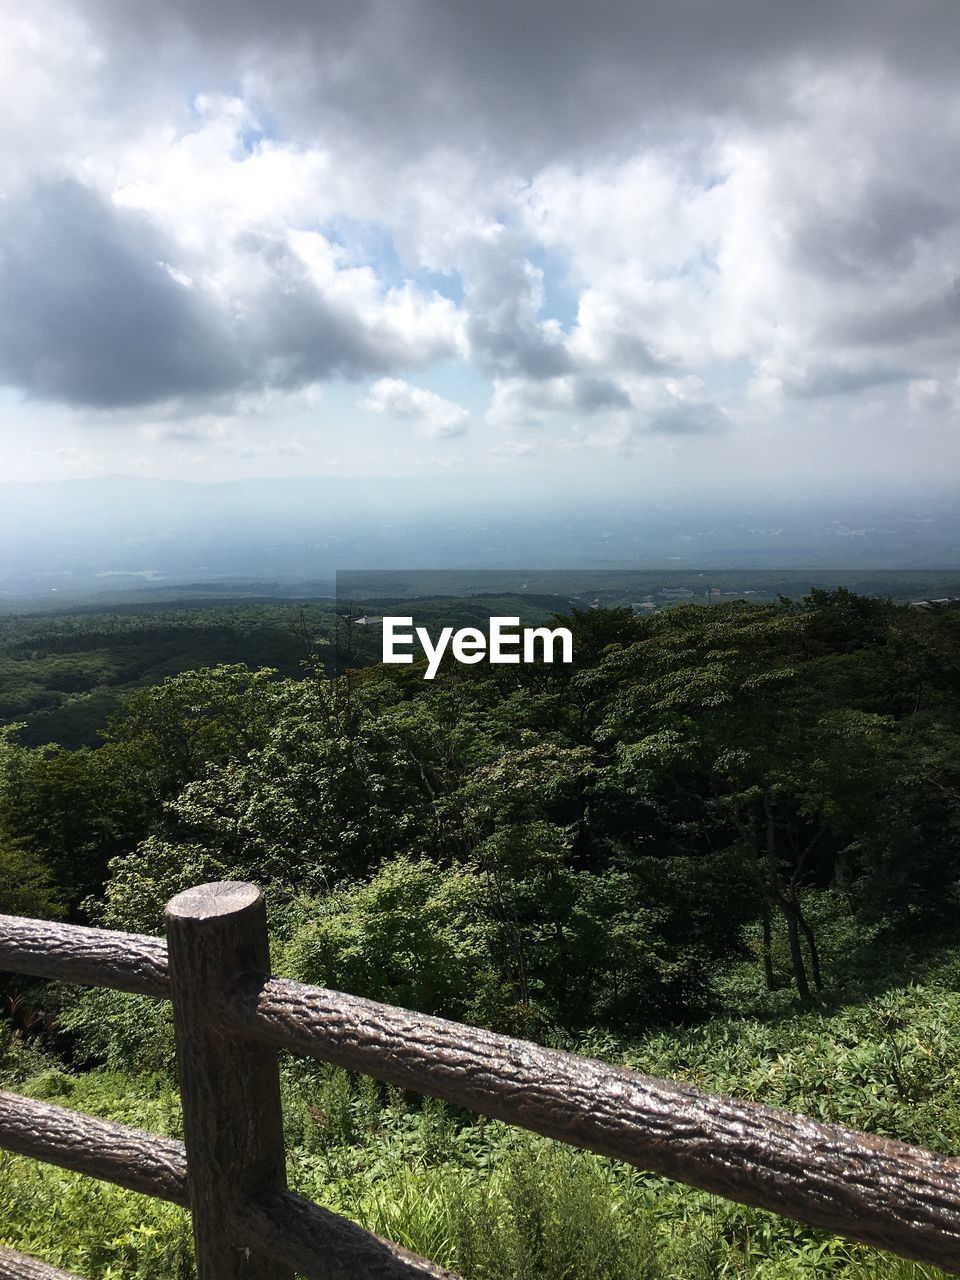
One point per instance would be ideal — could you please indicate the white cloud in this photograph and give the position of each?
(514, 449)
(748, 222)
(931, 396)
(434, 415)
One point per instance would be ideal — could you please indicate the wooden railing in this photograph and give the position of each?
(231, 1018)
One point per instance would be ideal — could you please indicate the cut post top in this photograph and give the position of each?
(212, 901)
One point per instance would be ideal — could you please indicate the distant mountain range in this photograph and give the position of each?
(99, 538)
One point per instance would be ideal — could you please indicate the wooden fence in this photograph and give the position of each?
(231, 1018)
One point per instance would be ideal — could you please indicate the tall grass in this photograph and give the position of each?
(496, 1204)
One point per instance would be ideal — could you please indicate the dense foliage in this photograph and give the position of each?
(746, 811)
(64, 675)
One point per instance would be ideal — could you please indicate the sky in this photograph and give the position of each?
(651, 245)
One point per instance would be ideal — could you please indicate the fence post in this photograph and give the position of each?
(230, 1087)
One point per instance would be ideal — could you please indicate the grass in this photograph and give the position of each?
(496, 1204)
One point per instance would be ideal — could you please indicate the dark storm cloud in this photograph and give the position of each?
(88, 312)
(881, 227)
(542, 75)
(91, 314)
(903, 321)
(94, 310)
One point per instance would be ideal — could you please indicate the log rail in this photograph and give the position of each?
(231, 1018)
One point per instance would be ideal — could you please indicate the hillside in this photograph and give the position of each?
(722, 846)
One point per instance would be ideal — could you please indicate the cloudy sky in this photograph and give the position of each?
(671, 243)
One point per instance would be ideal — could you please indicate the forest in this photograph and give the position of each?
(722, 846)
(63, 676)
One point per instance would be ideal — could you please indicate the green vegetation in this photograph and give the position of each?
(722, 847)
(501, 1205)
(65, 676)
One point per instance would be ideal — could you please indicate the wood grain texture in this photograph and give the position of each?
(291, 1230)
(871, 1189)
(115, 1153)
(17, 1266)
(231, 1019)
(91, 957)
(321, 1245)
(229, 1087)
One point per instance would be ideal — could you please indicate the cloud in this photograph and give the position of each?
(592, 394)
(538, 80)
(833, 378)
(605, 414)
(185, 432)
(514, 449)
(266, 448)
(102, 309)
(573, 208)
(687, 419)
(533, 402)
(504, 331)
(434, 415)
(931, 396)
(89, 312)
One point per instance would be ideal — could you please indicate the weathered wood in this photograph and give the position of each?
(231, 1018)
(230, 1088)
(91, 957)
(17, 1266)
(877, 1191)
(321, 1245)
(139, 1161)
(285, 1226)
